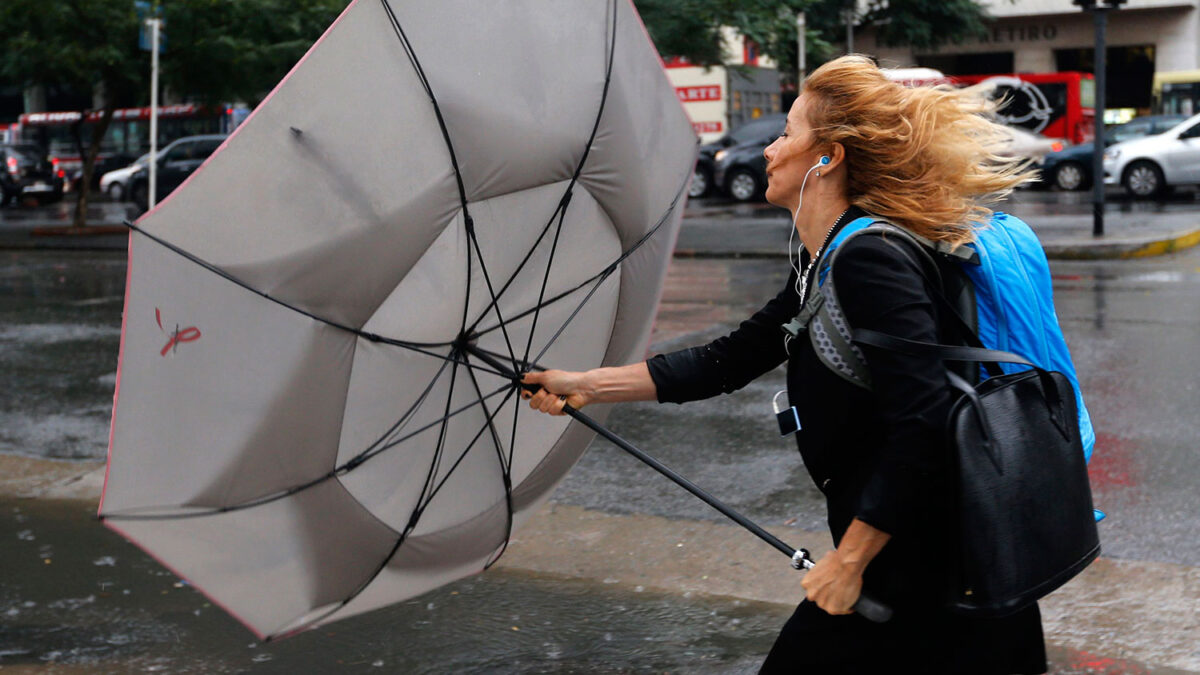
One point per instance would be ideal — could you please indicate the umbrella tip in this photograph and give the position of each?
(296, 132)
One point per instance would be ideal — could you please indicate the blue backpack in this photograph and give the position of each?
(1013, 299)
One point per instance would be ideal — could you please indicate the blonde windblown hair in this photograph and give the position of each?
(925, 157)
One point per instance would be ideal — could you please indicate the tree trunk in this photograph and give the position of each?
(89, 160)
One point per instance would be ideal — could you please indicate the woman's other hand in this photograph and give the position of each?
(833, 585)
(558, 388)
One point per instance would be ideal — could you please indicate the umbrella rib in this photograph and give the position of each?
(336, 472)
(495, 304)
(418, 347)
(488, 425)
(411, 53)
(537, 309)
(505, 468)
(602, 274)
(405, 418)
(438, 450)
(560, 211)
(412, 524)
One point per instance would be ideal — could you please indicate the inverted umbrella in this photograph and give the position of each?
(299, 427)
(316, 410)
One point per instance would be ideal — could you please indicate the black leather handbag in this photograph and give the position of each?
(1023, 522)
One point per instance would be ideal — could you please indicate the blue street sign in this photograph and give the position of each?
(146, 11)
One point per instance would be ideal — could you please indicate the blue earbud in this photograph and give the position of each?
(824, 159)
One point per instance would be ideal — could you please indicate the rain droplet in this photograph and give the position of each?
(261, 658)
(429, 606)
(105, 561)
(377, 663)
(638, 589)
(611, 580)
(608, 637)
(26, 535)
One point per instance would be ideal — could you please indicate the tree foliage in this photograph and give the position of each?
(217, 51)
(691, 28)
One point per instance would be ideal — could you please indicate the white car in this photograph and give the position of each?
(115, 183)
(1147, 166)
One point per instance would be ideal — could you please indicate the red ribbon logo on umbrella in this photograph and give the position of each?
(189, 334)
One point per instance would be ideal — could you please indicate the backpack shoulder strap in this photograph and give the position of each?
(822, 317)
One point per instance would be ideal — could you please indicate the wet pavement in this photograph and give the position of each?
(77, 599)
(1133, 327)
(1063, 221)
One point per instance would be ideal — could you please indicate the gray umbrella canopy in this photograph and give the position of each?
(316, 412)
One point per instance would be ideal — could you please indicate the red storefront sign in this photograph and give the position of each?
(707, 127)
(708, 92)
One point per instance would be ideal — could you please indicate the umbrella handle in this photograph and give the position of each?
(866, 606)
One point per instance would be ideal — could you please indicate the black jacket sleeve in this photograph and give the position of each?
(731, 362)
(881, 287)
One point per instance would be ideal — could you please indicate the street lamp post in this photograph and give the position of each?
(801, 47)
(1099, 10)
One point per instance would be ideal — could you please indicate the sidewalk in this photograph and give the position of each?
(723, 230)
(49, 227)
(1131, 230)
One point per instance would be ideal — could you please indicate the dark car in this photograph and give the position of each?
(176, 162)
(740, 171)
(1071, 168)
(26, 171)
(767, 126)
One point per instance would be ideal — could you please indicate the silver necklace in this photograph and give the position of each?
(817, 256)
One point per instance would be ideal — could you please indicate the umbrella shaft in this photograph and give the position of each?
(681, 481)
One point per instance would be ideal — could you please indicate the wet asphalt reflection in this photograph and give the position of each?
(1134, 330)
(75, 598)
(73, 593)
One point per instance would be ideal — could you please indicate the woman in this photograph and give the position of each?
(856, 143)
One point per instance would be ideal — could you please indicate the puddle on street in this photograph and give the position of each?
(74, 597)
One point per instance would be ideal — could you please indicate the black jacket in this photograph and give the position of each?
(876, 455)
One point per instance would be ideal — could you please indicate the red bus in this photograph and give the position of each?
(1056, 105)
(128, 136)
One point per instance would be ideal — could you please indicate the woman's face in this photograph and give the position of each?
(790, 157)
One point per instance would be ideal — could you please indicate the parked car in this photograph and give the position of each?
(1147, 167)
(740, 170)
(765, 127)
(175, 163)
(115, 183)
(1071, 168)
(28, 172)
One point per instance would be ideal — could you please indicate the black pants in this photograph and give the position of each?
(930, 642)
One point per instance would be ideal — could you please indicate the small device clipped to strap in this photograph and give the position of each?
(789, 418)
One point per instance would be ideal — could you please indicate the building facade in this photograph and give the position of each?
(719, 99)
(1145, 38)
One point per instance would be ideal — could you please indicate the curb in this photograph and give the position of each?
(1120, 249)
(1123, 249)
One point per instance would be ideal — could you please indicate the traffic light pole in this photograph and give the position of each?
(1100, 15)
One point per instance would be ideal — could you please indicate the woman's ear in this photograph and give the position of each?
(836, 154)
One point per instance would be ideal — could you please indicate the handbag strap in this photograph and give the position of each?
(875, 338)
(976, 351)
